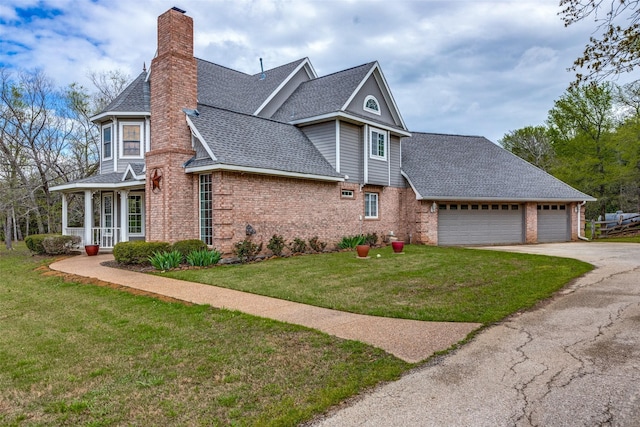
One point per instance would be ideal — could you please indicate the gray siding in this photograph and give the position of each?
(106, 166)
(371, 87)
(201, 153)
(394, 152)
(284, 94)
(378, 172)
(351, 153)
(323, 136)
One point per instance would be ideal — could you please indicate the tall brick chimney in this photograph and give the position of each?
(171, 203)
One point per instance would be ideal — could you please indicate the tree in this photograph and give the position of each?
(617, 50)
(581, 125)
(532, 143)
(108, 84)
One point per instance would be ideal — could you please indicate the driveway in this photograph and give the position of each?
(574, 361)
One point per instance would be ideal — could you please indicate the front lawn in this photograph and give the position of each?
(74, 354)
(425, 283)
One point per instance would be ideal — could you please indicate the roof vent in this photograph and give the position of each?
(262, 75)
(177, 9)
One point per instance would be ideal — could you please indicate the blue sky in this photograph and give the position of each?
(470, 67)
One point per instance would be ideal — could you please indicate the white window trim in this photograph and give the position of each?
(377, 197)
(104, 213)
(110, 125)
(346, 194)
(203, 238)
(121, 139)
(142, 214)
(371, 110)
(386, 143)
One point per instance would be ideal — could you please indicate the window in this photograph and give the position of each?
(131, 139)
(135, 214)
(474, 207)
(442, 207)
(206, 210)
(453, 207)
(514, 207)
(378, 144)
(106, 142)
(371, 105)
(347, 194)
(464, 207)
(371, 205)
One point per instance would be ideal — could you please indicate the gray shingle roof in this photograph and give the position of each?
(223, 87)
(134, 98)
(244, 140)
(457, 167)
(322, 95)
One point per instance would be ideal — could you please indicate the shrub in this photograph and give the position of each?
(138, 252)
(246, 250)
(34, 243)
(276, 244)
(298, 246)
(316, 244)
(350, 242)
(58, 245)
(185, 247)
(203, 258)
(371, 239)
(165, 260)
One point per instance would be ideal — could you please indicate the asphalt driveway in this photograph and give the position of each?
(574, 361)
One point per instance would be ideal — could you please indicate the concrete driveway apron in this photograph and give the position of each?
(574, 361)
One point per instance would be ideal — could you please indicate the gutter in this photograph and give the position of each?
(579, 236)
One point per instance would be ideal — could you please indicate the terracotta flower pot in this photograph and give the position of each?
(363, 251)
(91, 250)
(398, 247)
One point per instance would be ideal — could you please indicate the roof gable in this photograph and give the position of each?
(233, 90)
(248, 141)
(453, 167)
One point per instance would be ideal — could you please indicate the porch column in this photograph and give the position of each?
(124, 216)
(88, 217)
(64, 213)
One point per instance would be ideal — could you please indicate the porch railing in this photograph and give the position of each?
(106, 237)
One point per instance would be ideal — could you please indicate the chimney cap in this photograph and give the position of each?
(177, 9)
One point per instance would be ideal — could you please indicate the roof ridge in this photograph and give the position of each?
(297, 61)
(223, 66)
(343, 71)
(447, 134)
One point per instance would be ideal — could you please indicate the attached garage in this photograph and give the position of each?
(553, 223)
(480, 224)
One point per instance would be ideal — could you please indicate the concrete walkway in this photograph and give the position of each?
(409, 340)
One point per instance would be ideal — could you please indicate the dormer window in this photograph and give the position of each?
(371, 105)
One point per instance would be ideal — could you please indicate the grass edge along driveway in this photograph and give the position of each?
(425, 283)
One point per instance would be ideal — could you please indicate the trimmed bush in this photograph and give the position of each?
(371, 239)
(316, 244)
(58, 244)
(298, 246)
(138, 252)
(203, 258)
(185, 247)
(34, 243)
(276, 244)
(246, 250)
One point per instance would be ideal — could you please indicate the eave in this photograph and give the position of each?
(262, 171)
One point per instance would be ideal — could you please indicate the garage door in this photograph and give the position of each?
(553, 223)
(480, 224)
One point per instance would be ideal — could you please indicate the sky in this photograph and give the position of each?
(467, 67)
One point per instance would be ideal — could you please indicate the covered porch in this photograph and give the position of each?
(104, 210)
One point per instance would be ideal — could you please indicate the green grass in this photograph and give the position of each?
(73, 354)
(632, 239)
(426, 283)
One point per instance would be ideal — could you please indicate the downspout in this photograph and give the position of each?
(579, 216)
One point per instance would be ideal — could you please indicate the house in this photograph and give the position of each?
(192, 149)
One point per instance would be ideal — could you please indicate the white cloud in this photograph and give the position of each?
(461, 66)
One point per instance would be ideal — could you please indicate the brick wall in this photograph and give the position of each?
(170, 209)
(531, 222)
(298, 208)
